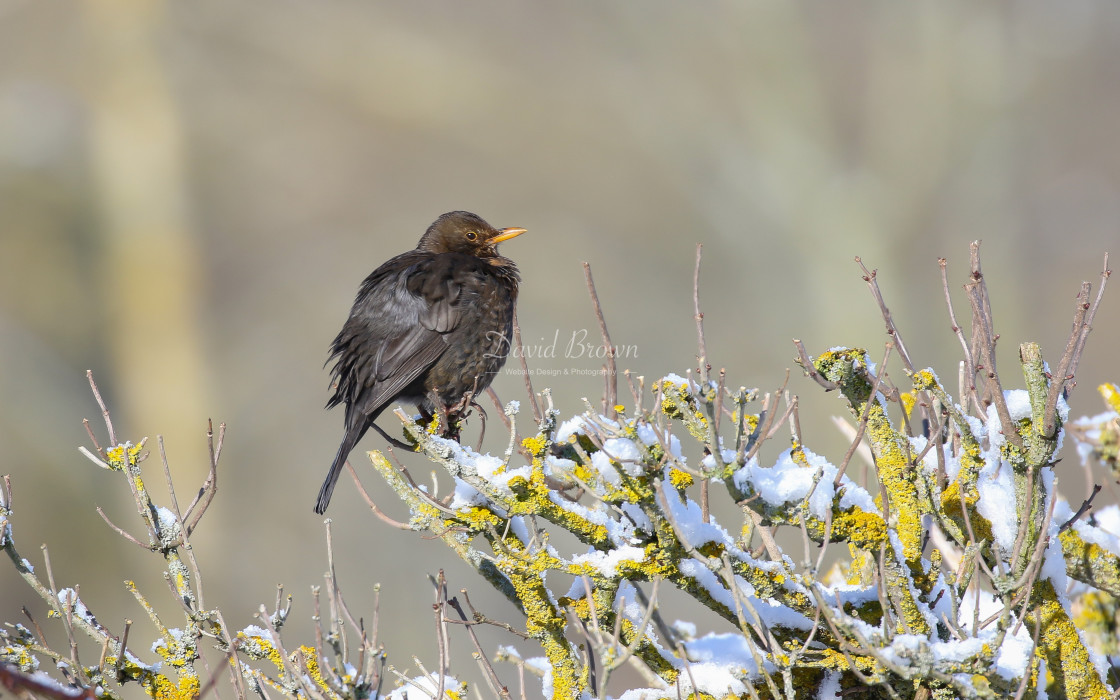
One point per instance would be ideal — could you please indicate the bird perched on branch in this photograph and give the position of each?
(431, 327)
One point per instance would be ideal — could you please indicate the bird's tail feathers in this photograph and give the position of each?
(352, 437)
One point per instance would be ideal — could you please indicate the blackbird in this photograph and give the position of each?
(430, 327)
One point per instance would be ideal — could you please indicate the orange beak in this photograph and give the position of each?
(506, 234)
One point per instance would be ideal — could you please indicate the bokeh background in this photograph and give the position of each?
(190, 194)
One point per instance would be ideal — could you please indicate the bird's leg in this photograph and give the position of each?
(461, 409)
(393, 441)
(469, 402)
(448, 426)
(482, 422)
(481, 413)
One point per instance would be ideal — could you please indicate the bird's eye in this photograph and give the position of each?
(471, 235)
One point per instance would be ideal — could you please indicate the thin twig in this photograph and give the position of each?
(373, 506)
(335, 592)
(592, 611)
(969, 363)
(870, 276)
(791, 406)
(104, 409)
(525, 370)
(702, 356)
(96, 445)
(184, 536)
(122, 532)
(481, 619)
(488, 670)
(640, 629)
(794, 417)
(1105, 274)
(66, 613)
(210, 487)
(498, 405)
(612, 371)
(124, 648)
(213, 681)
(1085, 506)
(91, 456)
(1067, 366)
(986, 337)
(766, 427)
(440, 584)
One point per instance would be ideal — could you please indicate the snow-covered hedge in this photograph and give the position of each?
(951, 568)
(965, 573)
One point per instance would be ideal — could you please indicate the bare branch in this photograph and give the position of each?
(104, 410)
(986, 337)
(210, 487)
(373, 506)
(442, 642)
(498, 405)
(612, 371)
(1062, 381)
(525, 370)
(488, 670)
(702, 356)
(871, 277)
(1085, 506)
(122, 532)
(970, 365)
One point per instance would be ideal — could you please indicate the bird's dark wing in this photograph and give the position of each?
(396, 331)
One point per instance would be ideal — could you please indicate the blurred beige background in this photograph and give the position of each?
(190, 194)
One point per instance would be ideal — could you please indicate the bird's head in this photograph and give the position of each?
(466, 233)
